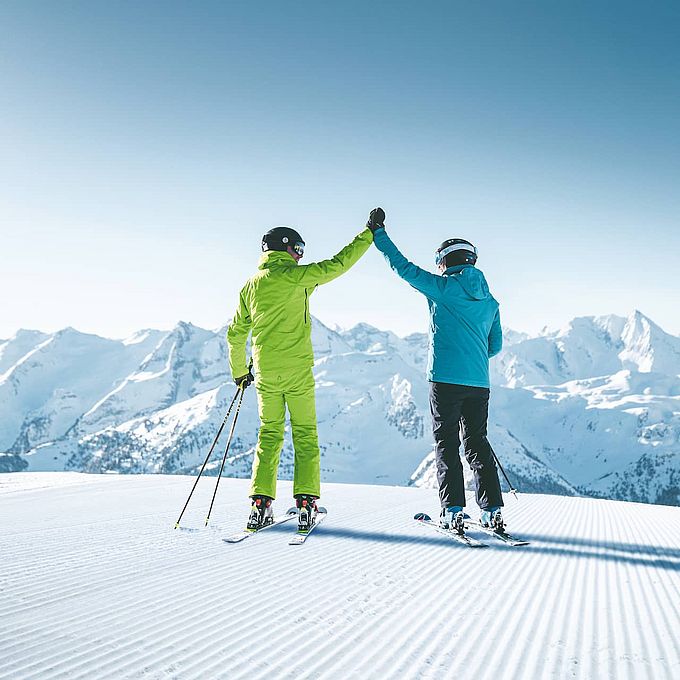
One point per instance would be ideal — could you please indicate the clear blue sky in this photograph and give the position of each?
(146, 146)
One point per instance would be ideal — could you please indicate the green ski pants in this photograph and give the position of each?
(275, 391)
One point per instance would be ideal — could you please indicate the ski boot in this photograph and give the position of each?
(492, 518)
(452, 518)
(261, 513)
(306, 507)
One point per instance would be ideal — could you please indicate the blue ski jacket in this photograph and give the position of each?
(465, 324)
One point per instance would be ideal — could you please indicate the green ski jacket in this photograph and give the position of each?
(274, 305)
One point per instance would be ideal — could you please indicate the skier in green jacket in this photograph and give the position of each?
(274, 306)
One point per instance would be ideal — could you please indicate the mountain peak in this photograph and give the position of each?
(362, 327)
(185, 330)
(186, 326)
(638, 319)
(648, 347)
(26, 334)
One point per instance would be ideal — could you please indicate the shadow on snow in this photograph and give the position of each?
(629, 553)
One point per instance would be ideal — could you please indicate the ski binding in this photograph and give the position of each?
(504, 536)
(301, 536)
(291, 513)
(426, 520)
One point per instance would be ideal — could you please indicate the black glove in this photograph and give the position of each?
(245, 380)
(376, 220)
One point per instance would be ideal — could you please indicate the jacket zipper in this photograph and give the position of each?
(305, 305)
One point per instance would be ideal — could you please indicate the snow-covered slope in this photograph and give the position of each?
(185, 362)
(592, 408)
(589, 347)
(12, 350)
(56, 379)
(95, 583)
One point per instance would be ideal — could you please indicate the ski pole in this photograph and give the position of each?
(242, 387)
(207, 458)
(513, 491)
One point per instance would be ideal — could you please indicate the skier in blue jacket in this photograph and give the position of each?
(465, 331)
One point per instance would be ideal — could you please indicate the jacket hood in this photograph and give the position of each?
(471, 279)
(278, 258)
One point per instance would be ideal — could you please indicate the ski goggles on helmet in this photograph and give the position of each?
(441, 254)
(298, 247)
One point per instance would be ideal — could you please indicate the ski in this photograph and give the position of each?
(424, 519)
(507, 538)
(301, 536)
(291, 513)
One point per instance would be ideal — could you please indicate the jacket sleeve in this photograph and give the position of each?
(318, 273)
(237, 336)
(423, 281)
(495, 336)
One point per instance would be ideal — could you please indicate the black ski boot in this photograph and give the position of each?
(306, 507)
(261, 513)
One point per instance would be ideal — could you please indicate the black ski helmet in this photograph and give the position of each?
(280, 238)
(456, 251)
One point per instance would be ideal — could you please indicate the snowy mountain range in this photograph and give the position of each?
(592, 408)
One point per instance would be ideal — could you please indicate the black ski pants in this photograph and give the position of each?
(467, 408)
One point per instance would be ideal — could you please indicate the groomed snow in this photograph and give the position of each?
(95, 584)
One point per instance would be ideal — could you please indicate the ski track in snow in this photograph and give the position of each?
(96, 584)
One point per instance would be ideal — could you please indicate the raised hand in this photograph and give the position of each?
(376, 220)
